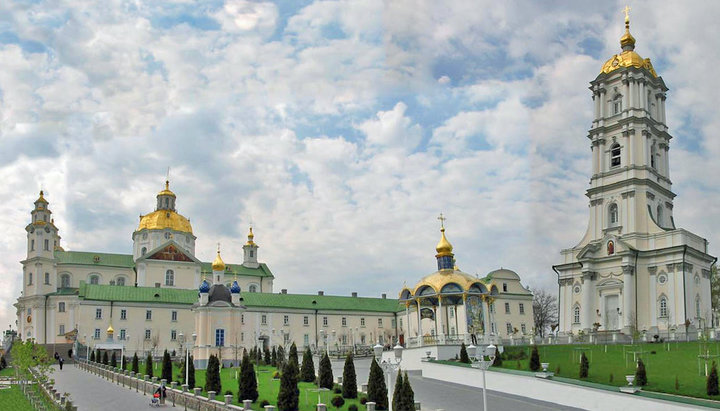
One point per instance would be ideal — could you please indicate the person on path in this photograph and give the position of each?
(60, 361)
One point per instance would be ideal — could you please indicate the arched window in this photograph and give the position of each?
(697, 307)
(143, 251)
(660, 215)
(167, 202)
(663, 307)
(65, 281)
(653, 153)
(617, 104)
(169, 277)
(576, 315)
(120, 281)
(613, 214)
(615, 155)
(252, 288)
(94, 279)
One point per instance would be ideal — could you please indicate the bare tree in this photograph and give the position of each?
(544, 311)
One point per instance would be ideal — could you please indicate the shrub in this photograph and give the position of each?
(612, 377)
(397, 399)
(307, 372)
(174, 353)
(519, 366)
(289, 395)
(353, 407)
(337, 401)
(92, 356)
(363, 400)
(464, 355)
(408, 394)
(712, 381)
(212, 375)
(263, 403)
(191, 373)
(166, 367)
(268, 357)
(498, 360)
(377, 390)
(535, 359)
(337, 389)
(228, 392)
(584, 366)
(149, 366)
(113, 360)
(105, 360)
(325, 373)
(247, 385)
(640, 374)
(293, 356)
(273, 357)
(349, 387)
(276, 375)
(135, 364)
(557, 370)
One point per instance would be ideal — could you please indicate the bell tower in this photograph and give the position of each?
(250, 258)
(42, 240)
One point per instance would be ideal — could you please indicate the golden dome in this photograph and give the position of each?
(110, 330)
(628, 57)
(251, 237)
(162, 219)
(41, 198)
(440, 279)
(443, 247)
(166, 191)
(218, 264)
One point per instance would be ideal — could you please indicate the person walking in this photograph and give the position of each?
(60, 361)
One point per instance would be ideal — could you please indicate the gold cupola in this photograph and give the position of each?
(251, 238)
(110, 329)
(628, 57)
(165, 216)
(218, 264)
(443, 248)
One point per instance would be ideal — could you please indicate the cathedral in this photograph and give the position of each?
(162, 297)
(634, 271)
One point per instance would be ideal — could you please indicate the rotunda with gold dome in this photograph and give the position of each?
(450, 306)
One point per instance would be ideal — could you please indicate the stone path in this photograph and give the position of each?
(90, 392)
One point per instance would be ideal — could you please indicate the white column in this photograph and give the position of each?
(587, 309)
(631, 96)
(628, 296)
(667, 161)
(441, 331)
(420, 331)
(596, 98)
(653, 296)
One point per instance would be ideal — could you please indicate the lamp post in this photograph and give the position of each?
(478, 361)
(122, 352)
(389, 366)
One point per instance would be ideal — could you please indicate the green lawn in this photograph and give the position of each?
(609, 365)
(7, 372)
(267, 387)
(13, 399)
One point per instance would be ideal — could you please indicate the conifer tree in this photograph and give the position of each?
(212, 375)
(92, 356)
(640, 374)
(113, 360)
(105, 358)
(135, 364)
(397, 399)
(325, 373)
(712, 381)
(349, 386)
(289, 395)
(258, 355)
(408, 394)
(273, 357)
(535, 359)
(191, 374)
(584, 366)
(377, 390)
(268, 359)
(293, 356)
(464, 355)
(149, 365)
(166, 367)
(307, 373)
(247, 385)
(280, 357)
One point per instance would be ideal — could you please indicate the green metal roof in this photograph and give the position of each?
(290, 301)
(99, 259)
(239, 269)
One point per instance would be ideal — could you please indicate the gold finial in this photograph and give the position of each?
(110, 329)
(443, 248)
(218, 264)
(627, 41)
(251, 237)
(442, 220)
(627, 16)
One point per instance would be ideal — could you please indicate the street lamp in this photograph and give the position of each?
(87, 348)
(478, 361)
(122, 352)
(389, 366)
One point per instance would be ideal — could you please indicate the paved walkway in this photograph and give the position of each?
(90, 392)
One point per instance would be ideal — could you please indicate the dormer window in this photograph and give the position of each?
(615, 155)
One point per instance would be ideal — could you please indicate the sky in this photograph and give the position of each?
(339, 129)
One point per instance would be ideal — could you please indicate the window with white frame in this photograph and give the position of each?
(505, 287)
(507, 308)
(613, 214)
(47, 245)
(120, 281)
(380, 324)
(393, 324)
(263, 319)
(493, 328)
(173, 335)
(61, 330)
(98, 313)
(147, 334)
(65, 281)
(492, 308)
(698, 313)
(219, 337)
(47, 278)
(170, 277)
(123, 314)
(663, 307)
(523, 329)
(61, 307)
(306, 320)
(94, 279)
(576, 315)
(344, 339)
(173, 315)
(509, 328)
(286, 320)
(148, 315)
(286, 338)
(122, 333)
(617, 104)
(362, 321)
(252, 288)
(306, 340)
(325, 321)
(522, 308)
(615, 153)
(96, 334)
(344, 321)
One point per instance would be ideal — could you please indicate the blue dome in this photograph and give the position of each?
(204, 286)
(235, 288)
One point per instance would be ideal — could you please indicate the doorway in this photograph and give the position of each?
(612, 303)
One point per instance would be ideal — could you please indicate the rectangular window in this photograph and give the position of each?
(362, 339)
(522, 328)
(362, 321)
(32, 245)
(147, 334)
(493, 328)
(306, 340)
(509, 328)
(507, 308)
(522, 308)
(47, 278)
(242, 318)
(62, 329)
(242, 336)
(96, 335)
(286, 338)
(380, 322)
(263, 319)
(344, 339)
(325, 321)
(504, 287)
(306, 320)
(123, 314)
(393, 323)
(286, 319)
(122, 334)
(98, 313)
(29, 278)
(173, 315)
(148, 315)
(401, 324)
(452, 312)
(344, 321)
(46, 245)
(173, 335)
(61, 307)
(492, 308)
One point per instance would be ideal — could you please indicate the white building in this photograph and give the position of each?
(633, 269)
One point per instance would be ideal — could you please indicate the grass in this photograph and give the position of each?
(267, 387)
(610, 364)
(13, 399)
(7, 372)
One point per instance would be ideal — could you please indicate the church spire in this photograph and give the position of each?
(627, 41)
(445, 256)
